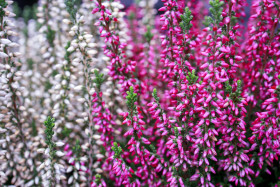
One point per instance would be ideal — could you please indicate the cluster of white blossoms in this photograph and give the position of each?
(53, 77)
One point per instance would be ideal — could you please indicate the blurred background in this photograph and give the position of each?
(29, 3)
(23, 3)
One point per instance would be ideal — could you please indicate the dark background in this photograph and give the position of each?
(22, 3)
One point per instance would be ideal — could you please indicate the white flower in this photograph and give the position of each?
(5, 41)
(98, 156)
(77, 165)
(70, 180)
(59, 144)
(70, 49)
(98, 170)
(72, 33)
(71, 160)
(41, 150)
(42, 166)
(66, 21)
(78, 88)
(96, 136)
(83, 168)
(3, 55)
(92, 52)
(69, 169)
(74, 28)
(2, 130)
(59, 153)
(80, 121)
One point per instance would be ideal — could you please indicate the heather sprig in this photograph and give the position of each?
(72, 8)
(49, 124)
(185, 24)
(50, 35)
(131, 98)
(117, 150)
(98, 79)
(51, 164)
(155, 95)
(216, 12)
(148, 35)
(97, 179)
(191, 77)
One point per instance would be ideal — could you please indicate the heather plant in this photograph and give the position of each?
(182, 95)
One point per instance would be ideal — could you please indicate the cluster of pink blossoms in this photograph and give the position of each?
(202, 94)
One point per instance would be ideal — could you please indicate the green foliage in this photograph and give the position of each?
(131, 98)
(155, 96)
(67, 53)
(30, 63)
(54, 73)
(216, 10)
(50, 36)
(16, 10)
(148, 35)
(137, 2)
(49, 132)
(131, 16)
(175, 173)
(234, 96)
(152, 147)
(117, 150)
(191, 77)
(72, 7)
(185, 24)
(3, 4)
(239, 88)
(207, 21)
(233, 19)
(176, 132)
(49, 124)
(216, 13)
(29, 13)
(77, 149)
(98, 79)
(66, 132)
(228, 87)
(97, 179)
(34, 129)
(48, 85)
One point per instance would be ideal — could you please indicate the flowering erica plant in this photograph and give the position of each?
(94, 93)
